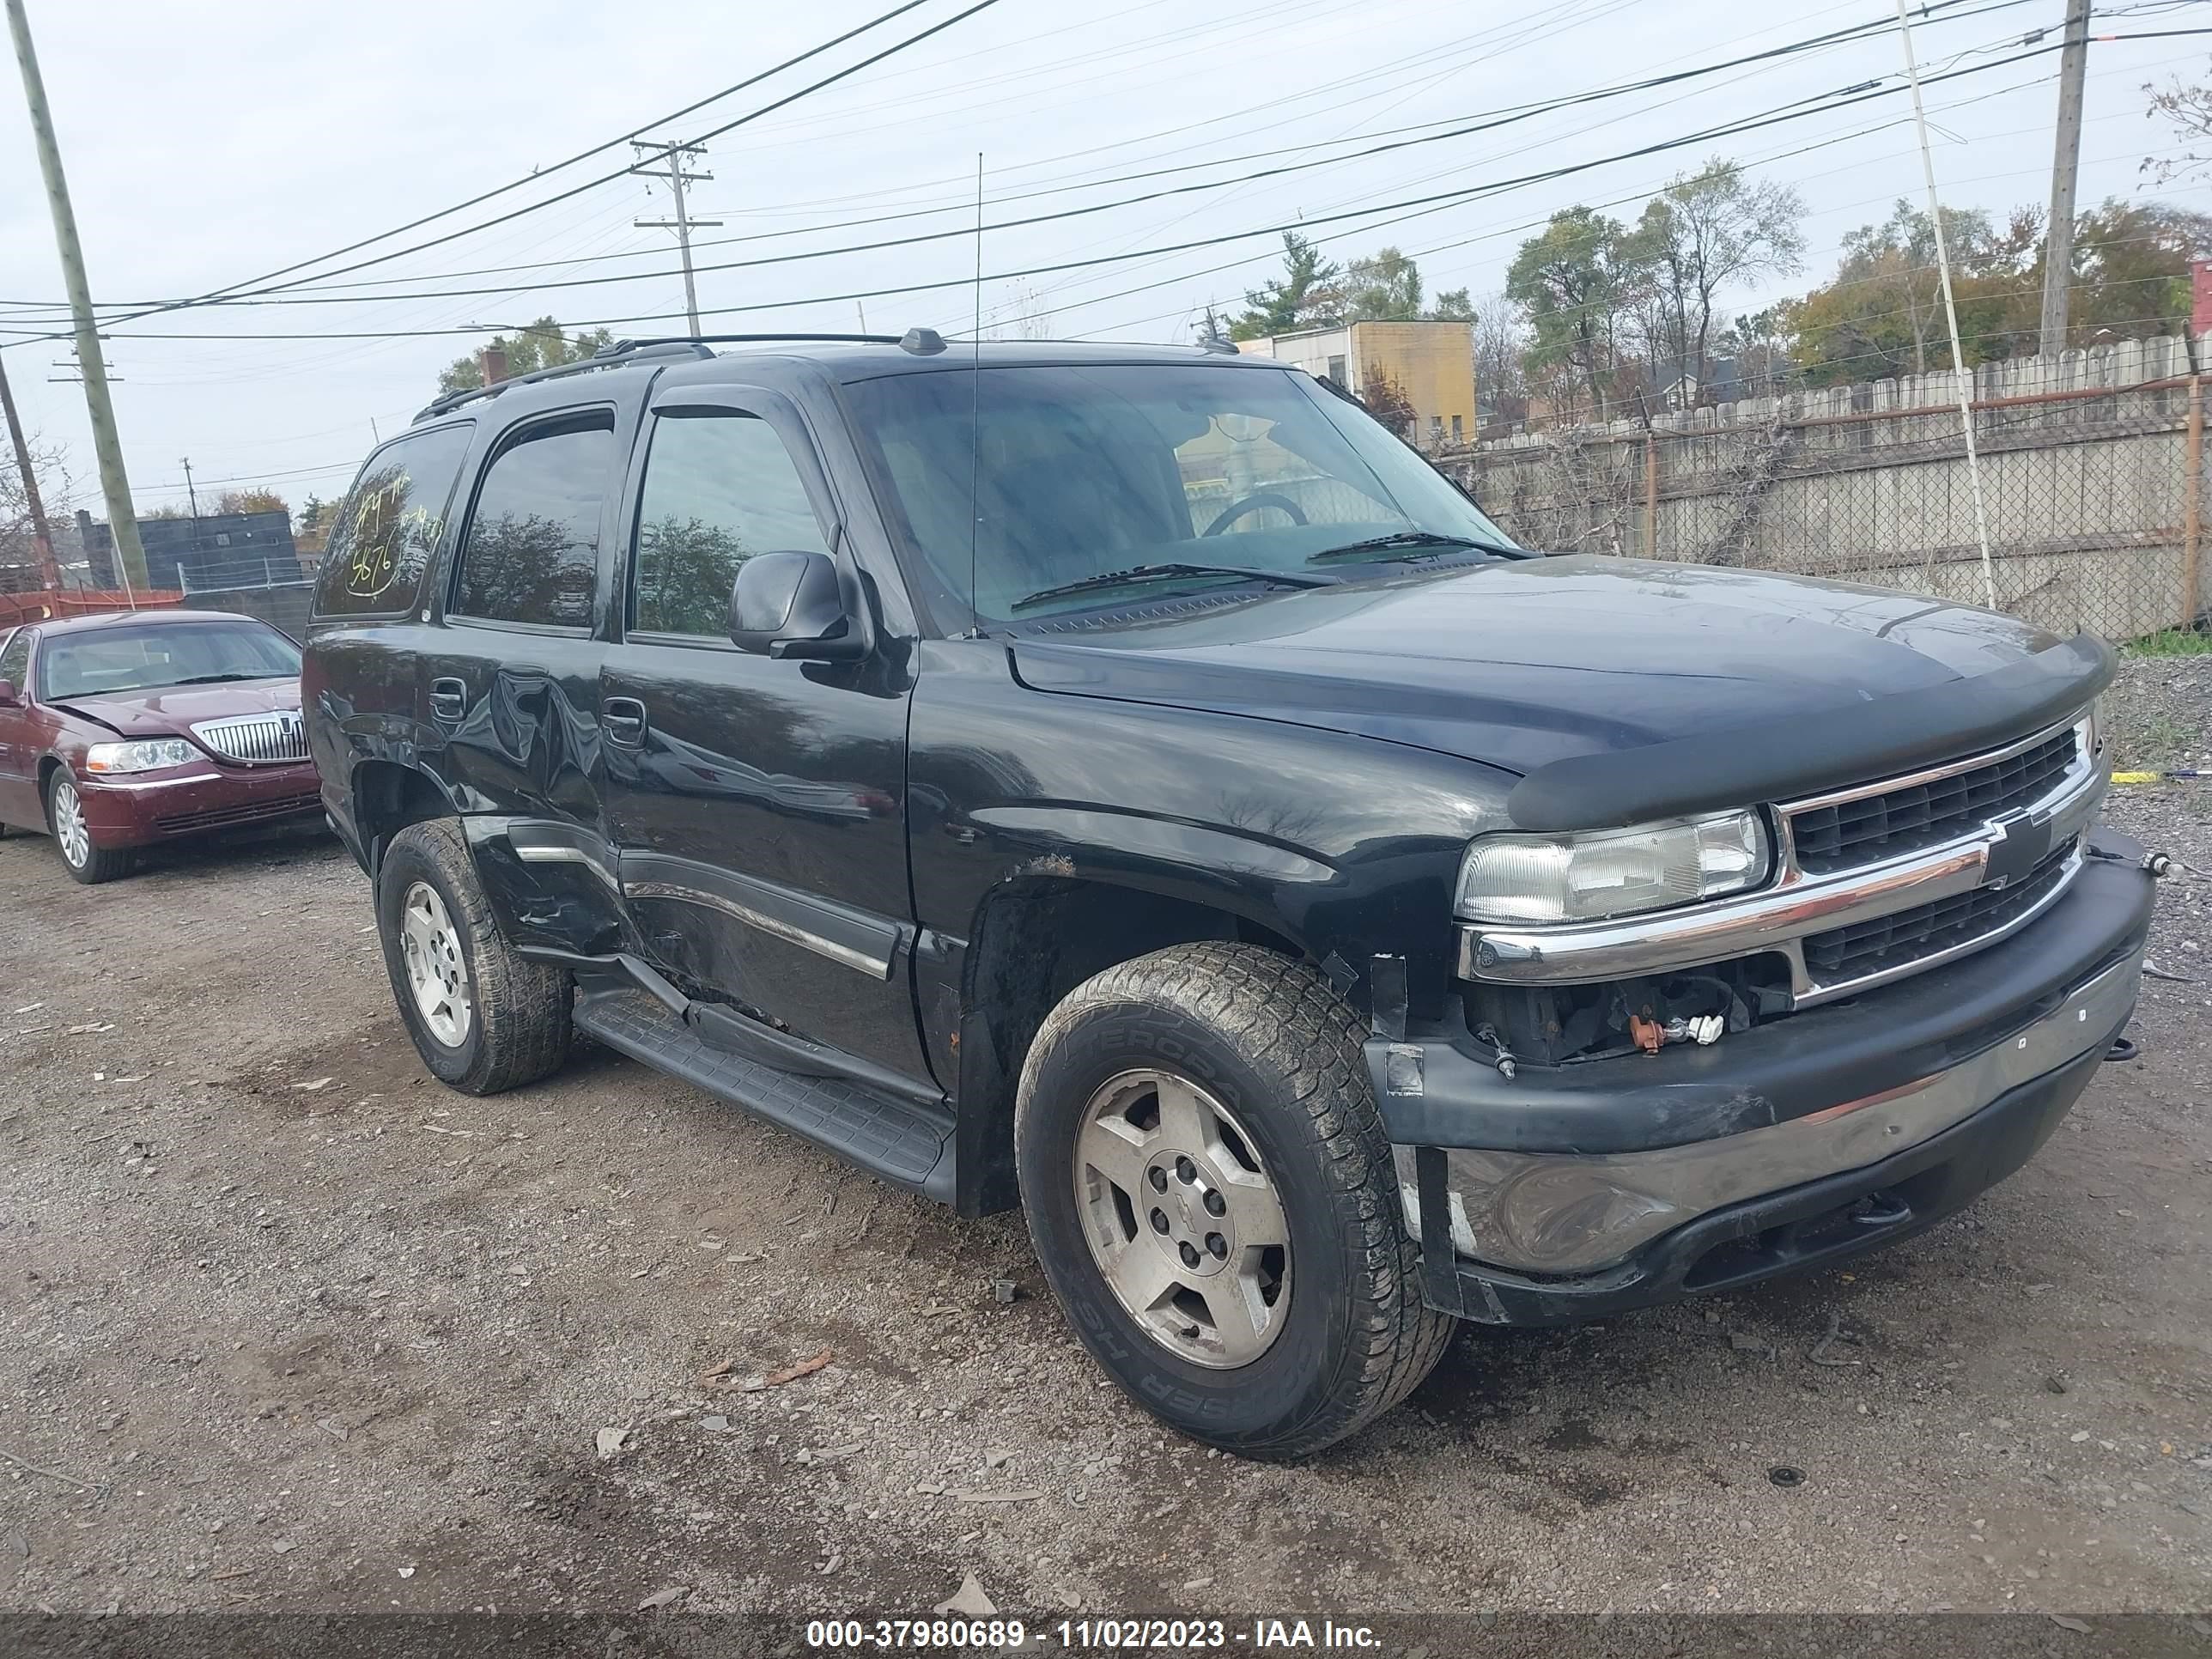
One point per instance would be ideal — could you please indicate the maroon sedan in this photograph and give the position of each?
(119, 730)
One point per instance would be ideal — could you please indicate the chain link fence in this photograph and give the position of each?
(2091, 470)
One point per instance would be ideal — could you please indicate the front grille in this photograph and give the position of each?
(1910, 936)
(1905, 819)
(256, 739)
(224, 817)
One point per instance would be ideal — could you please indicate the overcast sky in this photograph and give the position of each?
(211, 144)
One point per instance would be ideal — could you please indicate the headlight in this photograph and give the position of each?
(2089, 732)
(1612, 873)
(113, 757)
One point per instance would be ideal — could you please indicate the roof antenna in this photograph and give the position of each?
(975, 414)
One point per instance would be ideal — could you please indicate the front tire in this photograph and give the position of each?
(483, 1019)
(86, 861)
(1213, 1200)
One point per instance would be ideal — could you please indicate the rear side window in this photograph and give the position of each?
(15, 657)
(719, 488)
(387, 529)
(531, 549)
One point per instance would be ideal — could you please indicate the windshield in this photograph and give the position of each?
(1084, 471)
(114, 660)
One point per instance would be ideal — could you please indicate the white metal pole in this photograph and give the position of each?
(1961, 376)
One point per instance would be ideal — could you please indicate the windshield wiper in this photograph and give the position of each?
(1146, 573)
(1400, 539)
(217, 679)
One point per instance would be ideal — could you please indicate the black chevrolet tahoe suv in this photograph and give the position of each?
(1132, 784)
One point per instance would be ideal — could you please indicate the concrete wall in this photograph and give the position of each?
(2084, 461)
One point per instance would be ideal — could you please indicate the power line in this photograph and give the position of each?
(580, 155)
(1458, 127)
(224, 295)
(1407, 208)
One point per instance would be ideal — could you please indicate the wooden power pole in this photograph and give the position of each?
(106, 445)
(49, 573)
(2065, 163)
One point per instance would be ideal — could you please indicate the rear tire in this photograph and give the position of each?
(1220, 1089)
(86, 861)
(483, 1019)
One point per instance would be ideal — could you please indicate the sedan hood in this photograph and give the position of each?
(169, 711)
(1566, 661)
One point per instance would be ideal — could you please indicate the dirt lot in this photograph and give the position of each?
(285, 1325)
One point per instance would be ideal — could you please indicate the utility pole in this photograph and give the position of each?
(676, 177)
(50, 574)
(2065, 163)
(191, 494)
(106, 445)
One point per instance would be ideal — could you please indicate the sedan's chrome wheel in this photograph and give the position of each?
(1182, 1218)
(437, 973)
(70, 833)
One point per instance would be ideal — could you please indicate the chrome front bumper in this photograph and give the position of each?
(1778, 917)
(1564, 1213)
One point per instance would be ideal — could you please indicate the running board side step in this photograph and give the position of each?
(906, 1141)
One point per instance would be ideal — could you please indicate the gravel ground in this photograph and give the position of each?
(284, 1325)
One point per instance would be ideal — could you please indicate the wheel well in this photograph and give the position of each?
(387, 797)
(1036, 940)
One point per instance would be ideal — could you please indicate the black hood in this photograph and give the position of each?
(1564, 662)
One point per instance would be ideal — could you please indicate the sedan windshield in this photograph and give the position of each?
(112, 661)
(1180, 476)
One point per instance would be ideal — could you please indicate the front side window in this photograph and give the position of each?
(386, 529)
(153, 656)
(531, 552)
(1080, 471)
(719, 487)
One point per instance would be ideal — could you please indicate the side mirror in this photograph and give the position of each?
(792, 604)
(9, 697)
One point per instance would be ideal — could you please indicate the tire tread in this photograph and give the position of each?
(1281, 1014)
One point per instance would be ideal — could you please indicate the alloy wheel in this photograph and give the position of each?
(72, 833)
(437, 973)
(1182, 1218)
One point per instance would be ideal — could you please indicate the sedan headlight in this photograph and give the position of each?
(1593, 874)
(108, 758)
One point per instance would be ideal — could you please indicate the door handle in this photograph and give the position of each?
(624, 720)
(449, 699)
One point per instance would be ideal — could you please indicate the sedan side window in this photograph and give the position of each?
(531, 551)
(719, 487)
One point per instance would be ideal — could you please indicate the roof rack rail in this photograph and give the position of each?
(617, 355)
(754, 339)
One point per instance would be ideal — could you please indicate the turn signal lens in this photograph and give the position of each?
(109, 758)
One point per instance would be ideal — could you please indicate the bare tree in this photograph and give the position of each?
(57, 494)
(2188, 112)
(1707, 232)
(1500, 339)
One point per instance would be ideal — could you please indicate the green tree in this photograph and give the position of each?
(253, 501)
(1452, 306)
(1708, 231)
(1304, 296)
(1882, 314)
(1884, 308)
(541, 345)
(1386, 287)
(1573, 285)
